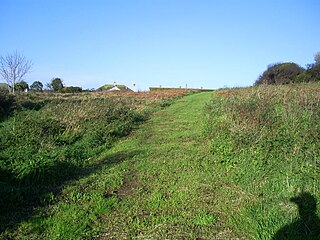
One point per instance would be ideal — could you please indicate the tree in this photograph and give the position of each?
(56, 84)
(317, 58)
(36, 86)
(21, 86)
(316, 66)
(312, 73)
(13, 68)
(280, 73)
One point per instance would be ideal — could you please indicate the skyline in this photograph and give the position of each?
(209, 44)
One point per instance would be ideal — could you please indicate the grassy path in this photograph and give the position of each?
(158, 183)
(162, 181)
(168, 190)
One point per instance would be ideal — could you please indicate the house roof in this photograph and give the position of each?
(112, 87)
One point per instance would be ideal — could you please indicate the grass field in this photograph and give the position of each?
(232, 164)
(265, 145)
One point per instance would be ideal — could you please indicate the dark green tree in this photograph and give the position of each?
(56, 84)
(312, 73)
(317, 58)
(315, 67)
(36, 86)
(21, 86)
(280, 73)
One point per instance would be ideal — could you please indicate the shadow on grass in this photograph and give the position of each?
(307, 227)
(19, 202)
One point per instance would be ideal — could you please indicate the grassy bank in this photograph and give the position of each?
(146, 186)
(265, 143)
(233, 164)
(47, 141)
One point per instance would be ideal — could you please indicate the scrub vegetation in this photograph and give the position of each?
(265, 146)
(47, 140)
(229, 164)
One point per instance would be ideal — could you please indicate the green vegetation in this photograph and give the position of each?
(55, 84)
(71, 89)
(21, 86)
(289, 72)
(7, 103)
(45, 143)
(281, 73)
(232, 164)
(265, 145)
(36, 86)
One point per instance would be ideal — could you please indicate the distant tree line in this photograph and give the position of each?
(13, 69)
(289, 72)
(56, 85)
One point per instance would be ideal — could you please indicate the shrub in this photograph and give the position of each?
(7, 104)
(35, 143)
(71, 89)
(280, 73)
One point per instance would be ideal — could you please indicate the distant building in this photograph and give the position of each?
(115, 87)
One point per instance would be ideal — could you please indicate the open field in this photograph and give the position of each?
(229, 164)
(265, 143)
(48, 140)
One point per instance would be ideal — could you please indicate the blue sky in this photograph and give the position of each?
(201, 43)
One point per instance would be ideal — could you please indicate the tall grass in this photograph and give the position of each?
(48, 140)
(34, 143)
(41, 148)
(266, 140)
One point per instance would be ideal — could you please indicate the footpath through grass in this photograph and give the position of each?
(168, 190)
(240, 168)
(156, 184)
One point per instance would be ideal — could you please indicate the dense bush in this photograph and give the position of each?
(281, 73)
(7, 102)
(37, 146)
(71, 89)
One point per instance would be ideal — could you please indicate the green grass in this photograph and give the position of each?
(220, 165)
(265, 143)
(146, 185)
(42, 149)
